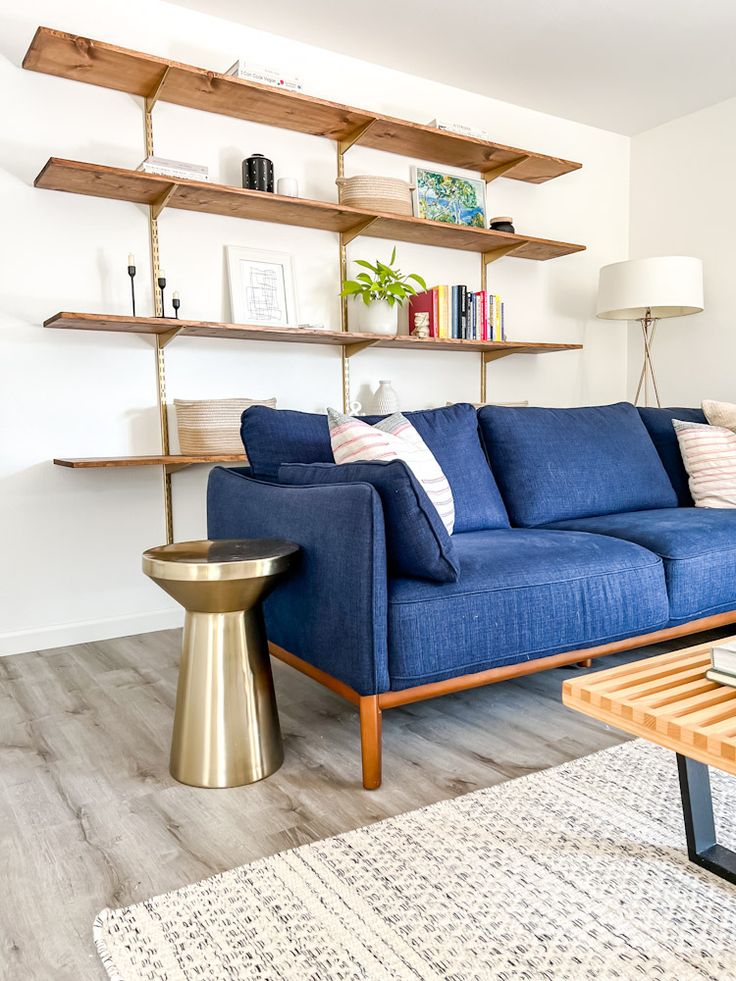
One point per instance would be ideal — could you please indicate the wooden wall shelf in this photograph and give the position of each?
(121, 184)
(170, 460)
(97, 63)
(296, 335)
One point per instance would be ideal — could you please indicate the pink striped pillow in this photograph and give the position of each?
(393, 438)
(709, 455)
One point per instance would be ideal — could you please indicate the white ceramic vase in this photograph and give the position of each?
(378, 317)
(386, 399)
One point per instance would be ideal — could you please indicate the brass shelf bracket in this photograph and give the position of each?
(352, 233)
(351, 139)
(351, 349)
(504, 168)
(158, 206)
(499, 253)
(170, 468)
(155, 95)
(168, 335)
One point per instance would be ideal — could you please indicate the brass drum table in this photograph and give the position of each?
(226, 726)
(668, 700)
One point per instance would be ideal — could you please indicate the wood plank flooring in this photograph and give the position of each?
(89, 816)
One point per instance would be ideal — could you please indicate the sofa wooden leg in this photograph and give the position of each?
(586, 663)
(370, 741)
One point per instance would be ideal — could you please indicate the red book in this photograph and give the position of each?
(423, 303)
(482, 315)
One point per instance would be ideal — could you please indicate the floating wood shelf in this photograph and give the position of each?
(296, 335)
(171, 460)
(71, 56)
(121, 184)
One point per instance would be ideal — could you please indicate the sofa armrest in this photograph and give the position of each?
(332, 610)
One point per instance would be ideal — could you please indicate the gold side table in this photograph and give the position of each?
(226, 726)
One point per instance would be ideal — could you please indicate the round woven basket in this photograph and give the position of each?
(211, 426)
(376, 193)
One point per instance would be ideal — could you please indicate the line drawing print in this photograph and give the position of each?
(264, 298)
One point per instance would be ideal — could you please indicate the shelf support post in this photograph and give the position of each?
(343, 254)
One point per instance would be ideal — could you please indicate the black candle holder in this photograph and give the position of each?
(131, 273)
(162, 286)
(176, 303)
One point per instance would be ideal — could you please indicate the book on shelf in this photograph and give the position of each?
(264, 75)
(458, 312)
(721, 677)
(723, 657)
(460, 129)
(174, 168)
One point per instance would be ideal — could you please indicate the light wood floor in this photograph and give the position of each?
(89, 816)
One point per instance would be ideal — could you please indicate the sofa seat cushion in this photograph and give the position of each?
(697, 547)
(521, 594)
(554, 464)
(662, 433)
(276, 436)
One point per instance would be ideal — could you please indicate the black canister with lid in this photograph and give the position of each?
(258, 173)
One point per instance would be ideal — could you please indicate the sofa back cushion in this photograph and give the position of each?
(276, 436)
(553, 464)
(417, 542)
(662, 432)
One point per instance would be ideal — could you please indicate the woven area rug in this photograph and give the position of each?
(579, 872)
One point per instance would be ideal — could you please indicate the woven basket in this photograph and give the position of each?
(212, 426)
(376, 193)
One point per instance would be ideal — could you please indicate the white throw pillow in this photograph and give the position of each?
(720, 413)
(709, 455)
(393, 438)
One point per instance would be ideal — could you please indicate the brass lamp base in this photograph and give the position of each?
(226, 727)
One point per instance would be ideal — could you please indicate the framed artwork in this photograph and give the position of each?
(445, 197)
(261, 287)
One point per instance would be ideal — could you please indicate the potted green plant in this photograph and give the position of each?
(383, 289)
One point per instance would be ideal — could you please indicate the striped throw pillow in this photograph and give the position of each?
(393, 438)
(709, 455)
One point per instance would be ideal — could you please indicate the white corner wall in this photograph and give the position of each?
(72, 540)
(683, 203)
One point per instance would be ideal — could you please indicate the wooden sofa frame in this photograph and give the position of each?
(371, 707)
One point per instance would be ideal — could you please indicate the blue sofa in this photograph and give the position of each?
(575, 536)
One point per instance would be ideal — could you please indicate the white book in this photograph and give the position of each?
(174, 168)
(264, 75)
(460, 129)
(723, 657)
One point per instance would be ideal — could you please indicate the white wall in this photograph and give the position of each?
(683, 203)
(72, 540)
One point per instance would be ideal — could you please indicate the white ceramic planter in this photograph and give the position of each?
(377, 318)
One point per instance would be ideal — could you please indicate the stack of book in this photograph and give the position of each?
(460, 129)
(264, 75)
(174, 168)
(456, 311)
(723, 664)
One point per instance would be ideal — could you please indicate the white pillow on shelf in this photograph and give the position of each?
(393, 438)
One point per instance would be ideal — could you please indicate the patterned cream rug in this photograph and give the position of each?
(579, 872)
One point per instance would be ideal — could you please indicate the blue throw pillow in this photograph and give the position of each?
(554, 464)
(660, 428)
(276, 436)
(417, 542)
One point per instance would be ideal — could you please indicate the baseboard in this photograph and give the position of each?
(84, 631)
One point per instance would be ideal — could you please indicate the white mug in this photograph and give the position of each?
(288, 187)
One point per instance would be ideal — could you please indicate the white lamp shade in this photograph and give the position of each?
(665, 286)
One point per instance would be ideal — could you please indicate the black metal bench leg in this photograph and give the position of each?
(700, 829)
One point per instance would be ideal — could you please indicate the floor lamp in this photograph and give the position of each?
(649, 290)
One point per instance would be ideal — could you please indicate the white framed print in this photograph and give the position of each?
(261, 287)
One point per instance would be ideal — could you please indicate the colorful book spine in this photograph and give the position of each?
(481, 314)
(462, 310)
(434, 326)
(442, 305)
